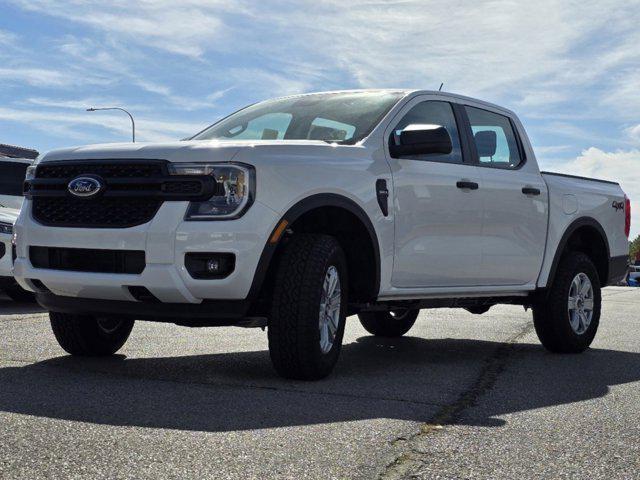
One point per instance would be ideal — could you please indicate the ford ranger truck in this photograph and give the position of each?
(295, 213)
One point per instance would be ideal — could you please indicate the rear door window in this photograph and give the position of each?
(12, 177)
(494, 138)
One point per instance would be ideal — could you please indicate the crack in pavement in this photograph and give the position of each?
(410, 460)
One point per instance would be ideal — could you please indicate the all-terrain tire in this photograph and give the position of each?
(294, 321)
(89, 336)
(551, 314)
(388, 324)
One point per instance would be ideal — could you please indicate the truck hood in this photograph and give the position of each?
(8, 215)
(182, 151)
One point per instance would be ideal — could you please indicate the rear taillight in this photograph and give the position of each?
(627, 216)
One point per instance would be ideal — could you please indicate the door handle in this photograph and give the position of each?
(467, 184)
(530, 191)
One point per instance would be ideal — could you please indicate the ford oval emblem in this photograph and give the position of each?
(85, 186)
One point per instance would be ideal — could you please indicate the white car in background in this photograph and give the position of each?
(12, 173)
(8, 217)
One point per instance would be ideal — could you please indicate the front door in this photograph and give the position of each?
(438, 206)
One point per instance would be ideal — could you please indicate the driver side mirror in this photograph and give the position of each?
(416, 139)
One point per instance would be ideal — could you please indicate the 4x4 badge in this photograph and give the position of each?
(618, 205)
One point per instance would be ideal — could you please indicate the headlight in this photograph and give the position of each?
(6, 228)
(235, 189)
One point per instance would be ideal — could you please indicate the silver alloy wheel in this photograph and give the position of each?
(109, 325)
(330, 301)
(580, 303)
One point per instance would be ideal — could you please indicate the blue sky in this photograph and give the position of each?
(571, 70)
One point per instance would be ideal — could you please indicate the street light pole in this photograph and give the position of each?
(133, 124)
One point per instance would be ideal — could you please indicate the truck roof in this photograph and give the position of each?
(409, 91)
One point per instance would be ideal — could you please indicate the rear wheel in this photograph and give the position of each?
(309, 308)
(389, 324)
(567, 320)
(89, 336)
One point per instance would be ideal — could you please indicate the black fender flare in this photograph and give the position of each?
(296, 211)
(570, 230)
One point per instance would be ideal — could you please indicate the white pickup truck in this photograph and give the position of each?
(294, 213)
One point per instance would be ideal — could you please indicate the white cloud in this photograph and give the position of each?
(188, 27)
(542, 98)
(75, 125)
(532, 54)
(633, 133)
(43, 77)
(265, 83)
(555, 61)
(69, 104)
(543, 150)
(7, 38)
(108, 59)
(621, 166)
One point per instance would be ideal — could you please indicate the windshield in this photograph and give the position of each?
(331, 117)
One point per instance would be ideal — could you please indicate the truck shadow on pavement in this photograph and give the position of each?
(10, 307)
(407, 379)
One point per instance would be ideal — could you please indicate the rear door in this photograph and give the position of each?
(438, 222)
(515, 200)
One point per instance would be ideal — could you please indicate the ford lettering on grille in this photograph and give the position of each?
(85, 186)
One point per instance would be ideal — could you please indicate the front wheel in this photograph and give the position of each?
(389, 324)
(567, 320)
(309, 308)
(89, 336)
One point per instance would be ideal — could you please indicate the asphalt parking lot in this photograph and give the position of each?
(461, 396)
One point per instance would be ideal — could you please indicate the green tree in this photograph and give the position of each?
(634, 249)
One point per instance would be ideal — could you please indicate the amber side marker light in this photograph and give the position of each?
(277, 233)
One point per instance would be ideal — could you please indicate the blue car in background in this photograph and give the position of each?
(633, 279)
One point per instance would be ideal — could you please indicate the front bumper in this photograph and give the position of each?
(208, 313)
(165, 241)
(6, 262)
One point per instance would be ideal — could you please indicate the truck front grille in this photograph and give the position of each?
(104, 212)
(133, 192)
(122, 169)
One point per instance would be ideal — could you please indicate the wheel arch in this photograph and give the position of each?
(302, 214)
(585, 235)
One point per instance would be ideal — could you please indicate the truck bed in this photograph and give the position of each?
(574, 201)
